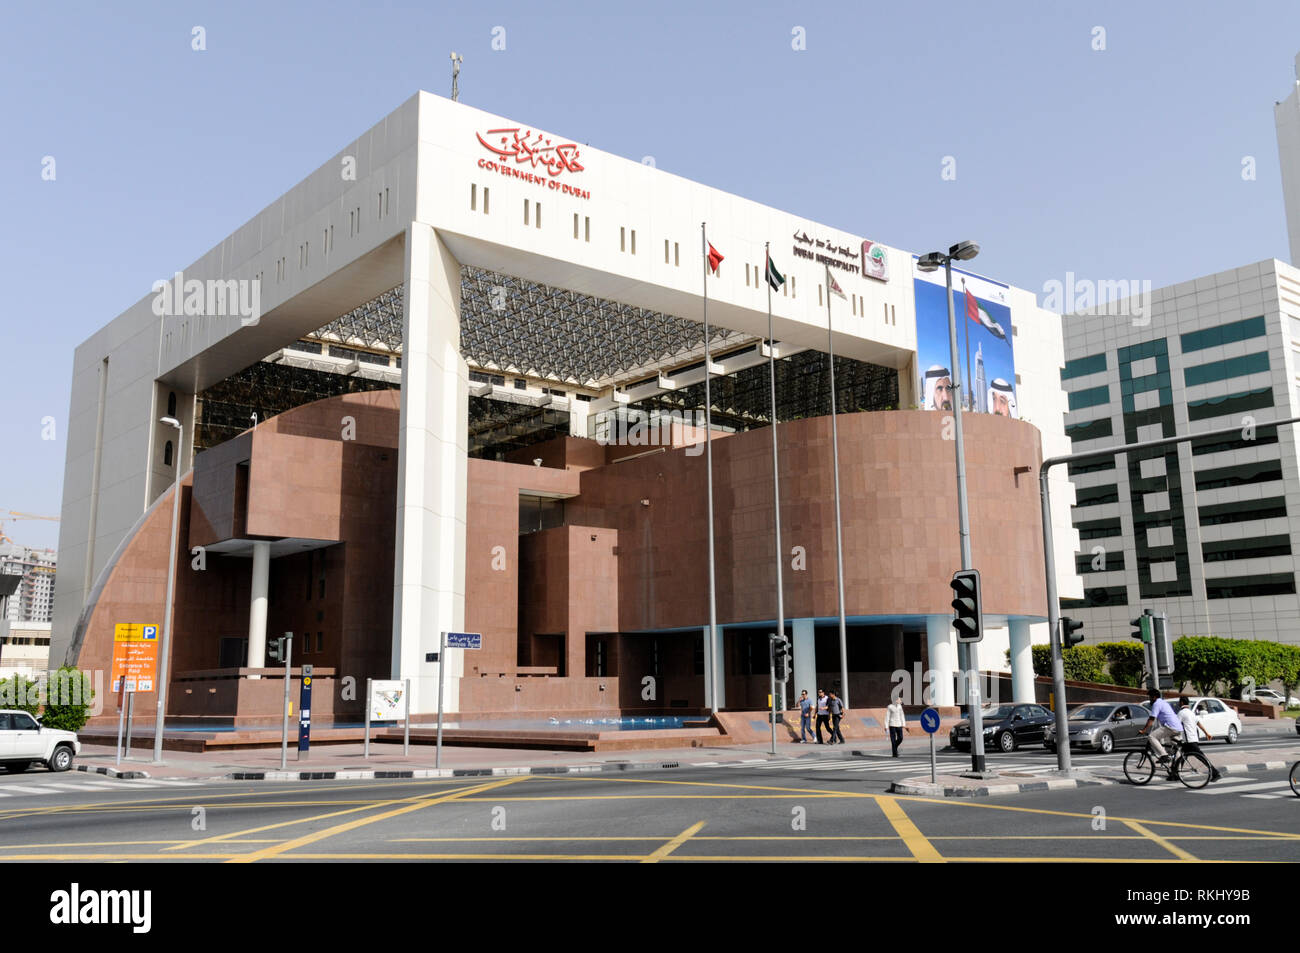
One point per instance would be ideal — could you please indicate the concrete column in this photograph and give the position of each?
(1022, 661)
(942, 645)
(805, 658)
(257, 606)
(429, 563)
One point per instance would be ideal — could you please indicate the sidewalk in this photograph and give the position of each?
(386, 761)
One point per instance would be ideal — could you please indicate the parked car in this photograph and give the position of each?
(1103, 726)
(23, 742)
(1006, 727)
(1270, 697)
(1219, 719)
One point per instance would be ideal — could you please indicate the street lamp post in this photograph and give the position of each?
(967, 654)
(163, 654)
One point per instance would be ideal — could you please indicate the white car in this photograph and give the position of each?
(1219, 719)
(1268, 696)
(23, 741)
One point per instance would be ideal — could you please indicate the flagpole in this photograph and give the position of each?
(776, 477)
(839, 532)
(708, 470)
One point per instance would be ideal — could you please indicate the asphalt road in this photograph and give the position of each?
(802, 809)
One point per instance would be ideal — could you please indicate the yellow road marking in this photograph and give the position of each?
(367, 806)
(1176, 851)
(673, 844)
(425, 801)
(912, 837)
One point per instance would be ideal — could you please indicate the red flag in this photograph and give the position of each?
(972, 306)
(715, 258)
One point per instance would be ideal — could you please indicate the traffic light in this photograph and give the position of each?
(275, 650)
(966, 602)
(1068, 628)
(1141, 629)
(781, 648)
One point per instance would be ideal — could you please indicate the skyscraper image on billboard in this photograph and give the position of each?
(984, 345)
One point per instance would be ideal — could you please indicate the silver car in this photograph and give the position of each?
(1103, 726)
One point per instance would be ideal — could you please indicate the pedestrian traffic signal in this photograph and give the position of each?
(1141, 629)
(275, 650)
(1068, 628)
(966, 602)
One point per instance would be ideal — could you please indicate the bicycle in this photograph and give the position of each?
(1190, 767)
(1295, 779)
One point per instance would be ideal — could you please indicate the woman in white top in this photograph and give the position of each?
(894, 721)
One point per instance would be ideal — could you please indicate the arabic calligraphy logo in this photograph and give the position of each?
(875, 264)
(523, 145)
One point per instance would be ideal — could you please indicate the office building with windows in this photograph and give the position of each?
(1208, 531)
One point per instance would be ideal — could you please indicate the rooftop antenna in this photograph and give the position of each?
(456, 60)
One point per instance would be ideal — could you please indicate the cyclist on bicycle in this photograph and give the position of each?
(1168, 725)
(1191, 727)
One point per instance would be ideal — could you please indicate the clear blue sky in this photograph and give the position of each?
(1124, 163)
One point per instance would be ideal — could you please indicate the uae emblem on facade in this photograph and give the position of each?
(875, 261)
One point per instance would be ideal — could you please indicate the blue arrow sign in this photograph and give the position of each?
(930, 720)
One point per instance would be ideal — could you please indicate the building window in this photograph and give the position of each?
(1082, 366)
(473, 197)
(586, 228)
(1091, 397)
(622, 238)
(1277, 584)
(527, 202)
(1224, 334)
(1257, 548)
(167, 454)
(320, 641)
(1223, 370)
(537, 214)
(676, 258)
(171, 404)
(1230, 405)
(1090, 430)
(575, 225)
(1096, 495)
(1239, 475)
(634, 241)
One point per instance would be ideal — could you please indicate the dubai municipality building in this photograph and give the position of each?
(454, 380)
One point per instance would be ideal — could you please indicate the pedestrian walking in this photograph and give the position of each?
(895, 719)
(823, 715)
(836, 708)
(805, 717)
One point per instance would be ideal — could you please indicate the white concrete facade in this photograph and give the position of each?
(426, 195)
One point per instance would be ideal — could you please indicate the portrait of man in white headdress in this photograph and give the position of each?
(1002, 399)
(938, 388)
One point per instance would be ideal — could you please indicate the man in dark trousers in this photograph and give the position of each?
(823, 715)
(836, 708)
(805, 717)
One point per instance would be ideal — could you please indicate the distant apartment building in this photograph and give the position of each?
(32, 599)
(24, 648)
(1207, 531)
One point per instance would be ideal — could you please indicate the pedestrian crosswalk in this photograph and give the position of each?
(882, 767)
(93, 783)
(1244, 786)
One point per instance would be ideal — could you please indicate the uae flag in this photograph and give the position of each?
(834, 285)
(715, 257)
(976, 312)
(774, 277)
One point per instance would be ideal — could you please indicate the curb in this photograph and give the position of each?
(1254, 766)
(939, 790)
(111, 772)
(362, 775)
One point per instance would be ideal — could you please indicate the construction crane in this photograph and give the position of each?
(15, 515)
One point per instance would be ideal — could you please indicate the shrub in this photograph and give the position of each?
(1125, 662)
(21, 693)
(69, 698)
(1082, 663)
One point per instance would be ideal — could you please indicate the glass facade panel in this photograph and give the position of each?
(1223, 334)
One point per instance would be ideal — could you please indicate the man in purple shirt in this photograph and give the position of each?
(1166, 721)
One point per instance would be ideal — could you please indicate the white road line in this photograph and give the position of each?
(1257, 786)
(1269, 796)
(62, 787)
(155, 782)
(24, 789)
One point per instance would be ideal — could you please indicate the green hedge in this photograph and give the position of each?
(21, 693)
(1125, 662)
(1082, 663)
(67, 704)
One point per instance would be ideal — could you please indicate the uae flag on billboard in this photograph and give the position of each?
(979, 314)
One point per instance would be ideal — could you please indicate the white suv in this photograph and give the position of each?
(23, 741)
